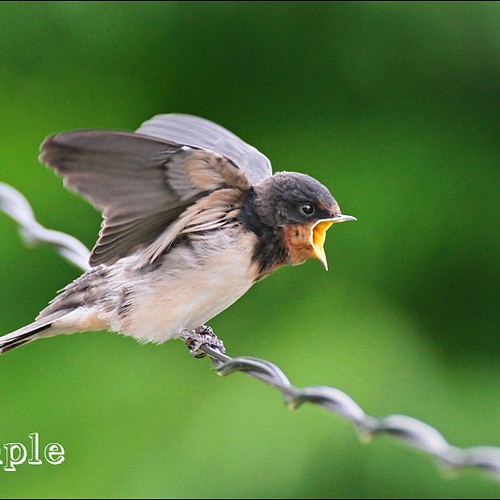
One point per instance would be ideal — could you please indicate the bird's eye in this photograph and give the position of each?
(307, 208)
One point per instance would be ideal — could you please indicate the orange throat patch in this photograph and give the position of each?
(297, 239)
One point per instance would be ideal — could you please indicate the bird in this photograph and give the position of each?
(193, 216)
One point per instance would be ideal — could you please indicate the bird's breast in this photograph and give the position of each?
(197, 280)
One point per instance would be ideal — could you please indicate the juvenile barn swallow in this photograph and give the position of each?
(192, 218)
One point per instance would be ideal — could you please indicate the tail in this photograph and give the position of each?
(42, 327)
(24, 335)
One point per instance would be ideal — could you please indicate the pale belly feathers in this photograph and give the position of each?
(189, 288)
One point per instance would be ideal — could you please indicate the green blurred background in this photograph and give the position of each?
(395, 107)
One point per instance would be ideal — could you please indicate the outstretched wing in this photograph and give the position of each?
(143, 183)
(201, 133)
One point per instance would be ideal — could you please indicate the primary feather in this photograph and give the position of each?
(143, 183)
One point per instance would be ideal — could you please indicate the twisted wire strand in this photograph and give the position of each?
(413, 432)
(14, 204)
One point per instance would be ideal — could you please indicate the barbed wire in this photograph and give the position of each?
(413, 432)
(14, 204)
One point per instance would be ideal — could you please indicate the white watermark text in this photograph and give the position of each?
(14, 454)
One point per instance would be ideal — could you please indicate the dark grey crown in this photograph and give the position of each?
(280, 199)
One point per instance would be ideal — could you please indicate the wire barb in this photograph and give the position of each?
(413, 432)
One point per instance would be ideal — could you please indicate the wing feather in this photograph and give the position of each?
(143, 184)
(204, 134)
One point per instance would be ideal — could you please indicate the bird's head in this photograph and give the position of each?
(302, 209)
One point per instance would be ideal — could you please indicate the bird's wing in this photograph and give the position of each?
(142, 184)
(201, 133)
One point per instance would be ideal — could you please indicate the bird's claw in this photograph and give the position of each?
(203, 335)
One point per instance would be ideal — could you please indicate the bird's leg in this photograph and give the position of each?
(200, 336)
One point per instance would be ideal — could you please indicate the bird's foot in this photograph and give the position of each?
(203, 335)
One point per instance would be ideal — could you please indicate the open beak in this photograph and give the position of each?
(318, 235)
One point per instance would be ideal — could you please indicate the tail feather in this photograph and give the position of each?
(23, 335)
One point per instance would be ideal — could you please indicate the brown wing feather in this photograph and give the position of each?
(204, 134)
(213, 211)
(142, 184)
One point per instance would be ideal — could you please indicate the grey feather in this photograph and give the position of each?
(201, 133)
(142, 184)
(29, 332)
